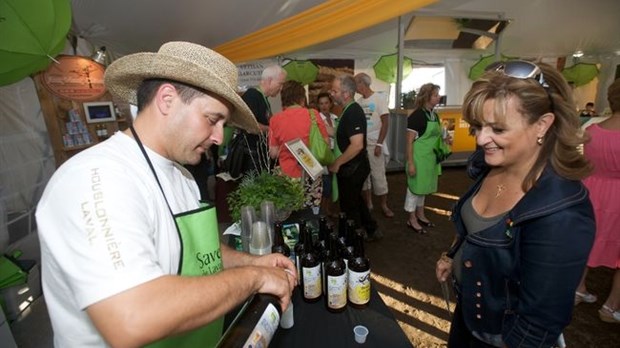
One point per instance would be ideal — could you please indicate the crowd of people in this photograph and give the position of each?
(129, 249)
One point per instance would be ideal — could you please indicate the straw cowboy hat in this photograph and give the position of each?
(184, 62)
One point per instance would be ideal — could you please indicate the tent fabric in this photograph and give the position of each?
(26, 157)
(329, 20)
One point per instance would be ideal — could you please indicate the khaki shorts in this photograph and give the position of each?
(376, 179)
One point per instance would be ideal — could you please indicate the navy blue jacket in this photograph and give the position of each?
(519, 276)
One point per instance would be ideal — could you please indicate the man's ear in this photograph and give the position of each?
(544, 123)
(164, 97)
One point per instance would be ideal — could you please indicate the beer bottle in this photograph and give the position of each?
(279, 246)
(255, 325)
(336, 279)
(359, 275)
(299, 250)
(310, 270)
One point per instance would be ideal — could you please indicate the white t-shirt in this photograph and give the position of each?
(374, 106)
(104, 228)
(333, 119)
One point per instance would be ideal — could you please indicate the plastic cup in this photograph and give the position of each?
(248, 216)
(288, 320)
(360, 333)
(267, 212)
(260, 244)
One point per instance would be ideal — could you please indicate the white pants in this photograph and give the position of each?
(413, 201)
(376, 179)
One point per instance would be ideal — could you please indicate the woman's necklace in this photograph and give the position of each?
(500, 189)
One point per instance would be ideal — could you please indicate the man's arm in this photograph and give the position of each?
(354, 148)
(385, 124)
(173, 304)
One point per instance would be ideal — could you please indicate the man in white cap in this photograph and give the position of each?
(130, 256)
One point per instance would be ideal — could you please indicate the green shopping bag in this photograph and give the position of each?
(318, 146)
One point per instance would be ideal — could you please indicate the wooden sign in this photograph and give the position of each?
(75, 78)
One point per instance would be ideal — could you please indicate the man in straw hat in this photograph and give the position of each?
(130, 256)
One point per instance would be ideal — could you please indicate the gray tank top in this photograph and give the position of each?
(474, 223)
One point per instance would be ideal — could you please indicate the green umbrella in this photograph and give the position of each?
(302, 71)
(32, 33)
(479, 67)
(386, 67)
(581, 73)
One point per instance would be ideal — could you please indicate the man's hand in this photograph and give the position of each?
(378, 151)
(280, 261)
(334, 167)
(279, 276)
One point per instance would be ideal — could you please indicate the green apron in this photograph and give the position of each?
(427, 169)
(200, 255)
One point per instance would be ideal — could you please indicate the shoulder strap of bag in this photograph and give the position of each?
(311, 112)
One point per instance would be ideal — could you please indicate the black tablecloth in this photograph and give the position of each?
(316, 327)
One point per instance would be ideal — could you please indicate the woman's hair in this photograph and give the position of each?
(613, 96)
(324, 95)
(424, 95)
(292, 93)
(561, 142)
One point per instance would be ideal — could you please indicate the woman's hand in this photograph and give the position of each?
(443, 269)
(411, 168)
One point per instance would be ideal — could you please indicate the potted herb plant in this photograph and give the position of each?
(286, 193)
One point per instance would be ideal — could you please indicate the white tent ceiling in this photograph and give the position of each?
(539, 28)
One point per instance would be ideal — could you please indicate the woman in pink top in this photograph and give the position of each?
(292, 123)
(603, 151)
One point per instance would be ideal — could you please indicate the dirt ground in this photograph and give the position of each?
(403, 265)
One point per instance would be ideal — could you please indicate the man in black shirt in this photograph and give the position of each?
(352, 167)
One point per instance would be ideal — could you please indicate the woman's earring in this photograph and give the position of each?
(539, 141)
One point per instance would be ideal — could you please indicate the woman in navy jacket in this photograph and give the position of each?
(525, 228)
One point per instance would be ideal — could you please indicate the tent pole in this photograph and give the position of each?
(399, 68)
(498, 40)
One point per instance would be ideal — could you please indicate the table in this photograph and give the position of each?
(316, 327)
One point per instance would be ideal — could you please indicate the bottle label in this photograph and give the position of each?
(337, 291)
(312, 281)
(265, 329)
(359, 287)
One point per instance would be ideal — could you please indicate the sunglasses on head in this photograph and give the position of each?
(522, 69)
(519, 69)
